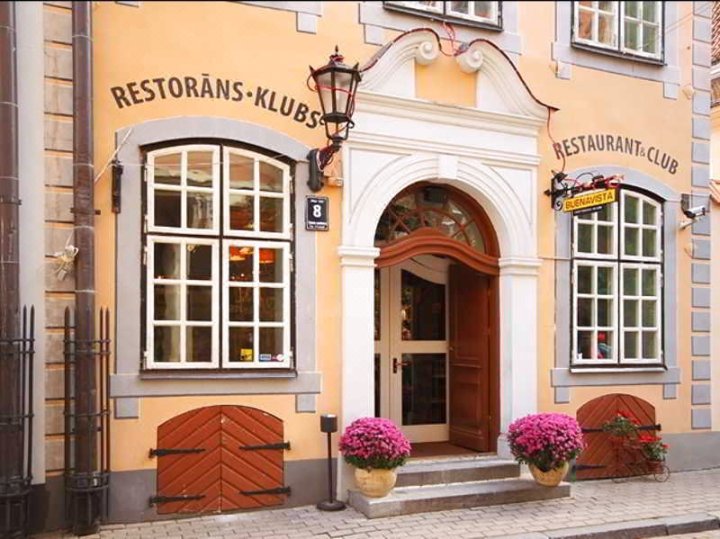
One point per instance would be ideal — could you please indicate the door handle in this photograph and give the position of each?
(396, 364)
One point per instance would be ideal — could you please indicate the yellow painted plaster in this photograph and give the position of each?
(262, 47)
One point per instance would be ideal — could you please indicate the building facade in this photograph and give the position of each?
(450, 290)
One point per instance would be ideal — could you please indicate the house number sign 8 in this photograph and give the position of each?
(316, 213)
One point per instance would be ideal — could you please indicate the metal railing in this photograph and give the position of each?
(16, 436)
(87, 425)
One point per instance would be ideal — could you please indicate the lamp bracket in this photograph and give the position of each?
(563, 186)
(320, 158)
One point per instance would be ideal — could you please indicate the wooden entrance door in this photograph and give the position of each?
(411, 347)
(473, 328)
(219, 458)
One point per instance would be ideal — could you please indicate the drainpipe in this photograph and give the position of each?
(11, 440)
(85, 500)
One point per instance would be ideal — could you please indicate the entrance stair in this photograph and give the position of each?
(441, 484)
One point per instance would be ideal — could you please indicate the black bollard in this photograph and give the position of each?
(328, 424)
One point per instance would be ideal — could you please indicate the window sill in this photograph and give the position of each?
(215, 375)
(614, 376)
(616, 370)
(659, 62)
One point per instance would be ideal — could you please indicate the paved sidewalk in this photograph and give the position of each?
(592, 503)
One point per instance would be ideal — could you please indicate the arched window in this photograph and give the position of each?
(436, 207)
(617, 283)
(218, 251)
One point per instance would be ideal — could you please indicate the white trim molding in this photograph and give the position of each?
(393, 70)
(501, 91)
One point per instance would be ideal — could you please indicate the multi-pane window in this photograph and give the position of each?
(473, 11)
(634, 28)
(218, 255)
(617, 283)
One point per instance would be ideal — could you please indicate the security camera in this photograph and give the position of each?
(695, 212)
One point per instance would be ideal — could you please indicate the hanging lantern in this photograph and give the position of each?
(336, 84)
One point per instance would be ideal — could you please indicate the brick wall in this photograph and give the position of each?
(58, 216)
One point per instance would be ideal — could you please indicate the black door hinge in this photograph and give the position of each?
(278, 445)
(277, 490)
(177, 451)
(154, 500)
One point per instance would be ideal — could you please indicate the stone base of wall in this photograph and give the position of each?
(130, 491)
(693, 451)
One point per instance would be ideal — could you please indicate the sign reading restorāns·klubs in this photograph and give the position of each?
(206, 87)
(601, 142)
(316, 213)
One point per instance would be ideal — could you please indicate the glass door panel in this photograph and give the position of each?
(424, 389)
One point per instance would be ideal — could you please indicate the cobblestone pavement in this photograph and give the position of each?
(592, 503)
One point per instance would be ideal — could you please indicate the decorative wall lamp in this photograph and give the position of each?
(336, 83)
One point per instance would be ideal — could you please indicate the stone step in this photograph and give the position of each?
(442, 471)
(409, 500)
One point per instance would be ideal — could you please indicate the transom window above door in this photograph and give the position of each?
(486, 14)
(432, 207)
(218, 253)
(629, 28)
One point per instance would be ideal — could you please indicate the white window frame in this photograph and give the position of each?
(183, 282)
(256, 193)
(593, 221)
(255, 285)
(641, 226)
(619, 16)
(595, 328)
(619, 261)
(444, 10)
(640, 297)
(220, 237)
(183, 189)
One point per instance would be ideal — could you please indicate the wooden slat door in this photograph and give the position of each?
(250, 470)
(597, 461)
(193, 474)
(470, 352)
(223, 469)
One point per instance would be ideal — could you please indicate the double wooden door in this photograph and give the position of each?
(219, 458)
(435, 337)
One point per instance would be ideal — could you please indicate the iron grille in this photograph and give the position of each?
(16, 414)
(87, 423)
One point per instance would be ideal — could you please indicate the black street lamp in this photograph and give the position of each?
(336, 83)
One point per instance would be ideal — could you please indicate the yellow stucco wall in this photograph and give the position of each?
(262, 47)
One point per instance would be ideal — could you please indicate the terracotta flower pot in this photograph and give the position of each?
(375, 483)
(549, 479)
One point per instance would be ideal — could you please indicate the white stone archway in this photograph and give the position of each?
(489, 152)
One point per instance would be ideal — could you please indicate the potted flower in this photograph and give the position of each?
(653, 448)
(375, 447)
(623, 425)
(546, 443)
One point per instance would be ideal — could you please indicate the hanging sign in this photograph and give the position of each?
(316, 213)
(589, 202)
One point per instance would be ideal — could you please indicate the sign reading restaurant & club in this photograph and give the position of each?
(207, 87)
(601, 142)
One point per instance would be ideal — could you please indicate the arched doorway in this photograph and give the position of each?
(437, 318)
